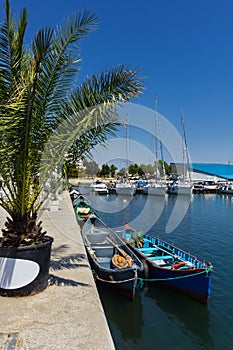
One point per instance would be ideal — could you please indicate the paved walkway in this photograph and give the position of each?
(68, 314)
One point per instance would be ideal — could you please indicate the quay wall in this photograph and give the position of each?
(68, 314)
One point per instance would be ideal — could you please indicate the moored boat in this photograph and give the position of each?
(82, 208)
(99, 187)
(155, 189)
(227, 188)
(112, 261)
(173, 267)
(179, 187)
(125, 188)
(74, 195)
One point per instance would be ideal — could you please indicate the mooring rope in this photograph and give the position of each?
(142, 280)
(113, 281)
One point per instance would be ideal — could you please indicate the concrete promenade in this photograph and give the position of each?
(68, 314)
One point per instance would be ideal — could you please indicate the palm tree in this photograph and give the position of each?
(42, 113)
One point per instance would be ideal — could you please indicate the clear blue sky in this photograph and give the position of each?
(184, 48)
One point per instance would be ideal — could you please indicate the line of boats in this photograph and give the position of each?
(129, 187)
(126, 261)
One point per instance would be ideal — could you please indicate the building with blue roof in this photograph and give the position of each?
(204, 171)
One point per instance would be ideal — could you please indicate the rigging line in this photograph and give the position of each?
(185, 147)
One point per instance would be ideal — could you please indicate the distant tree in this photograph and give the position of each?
(133, 169)
(140, 172)
(105, 170)
(70, 169)
(122, 172)
(91, 168)
(148, 169)
(113, 169)
(168, 168)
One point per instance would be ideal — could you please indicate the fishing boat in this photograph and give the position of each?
(111, 260)
(74, 195)
(170, 266)
(82, 208)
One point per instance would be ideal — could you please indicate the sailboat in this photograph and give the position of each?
(183, 186)
(156, 187)
(124, 186)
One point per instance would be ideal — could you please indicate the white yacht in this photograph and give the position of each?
(125, 188)
(99, 187)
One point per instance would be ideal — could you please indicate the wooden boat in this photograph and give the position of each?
(74, 195)
(171, 266)
(112, 261)
(82, 208)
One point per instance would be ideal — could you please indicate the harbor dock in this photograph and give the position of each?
(68, 314)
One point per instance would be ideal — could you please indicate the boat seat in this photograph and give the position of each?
(164, 257)
(103, 250)
(97, 237)
(105, 262)
(83, 210)
(147, 250)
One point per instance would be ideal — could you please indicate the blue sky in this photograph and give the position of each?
(183, 47)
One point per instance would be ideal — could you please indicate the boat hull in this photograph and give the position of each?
(124, 280)
(99, 187)
(155, 190)
(194, 281)
(226, 191)
(102, 244)
(183, 190)
(126, 191)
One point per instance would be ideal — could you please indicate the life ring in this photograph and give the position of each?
(120, 262)
(178, 265)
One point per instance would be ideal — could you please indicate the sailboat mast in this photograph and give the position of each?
(127, 149)
(156, 138)
(185, 149)
(163, 167)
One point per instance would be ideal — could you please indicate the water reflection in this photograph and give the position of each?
(190, 316)
(123, 314)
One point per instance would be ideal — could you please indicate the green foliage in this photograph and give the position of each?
(42, 113)
(91, 168)
(133, 169)
(105, 171)
(122, 172)
(112, 170)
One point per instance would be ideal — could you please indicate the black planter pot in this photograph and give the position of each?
(24, 270)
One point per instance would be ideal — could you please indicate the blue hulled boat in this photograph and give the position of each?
(171, 266)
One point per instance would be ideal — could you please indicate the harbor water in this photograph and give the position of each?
(159, 318)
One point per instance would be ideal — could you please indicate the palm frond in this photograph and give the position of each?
(61, 63)
(43, 117)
